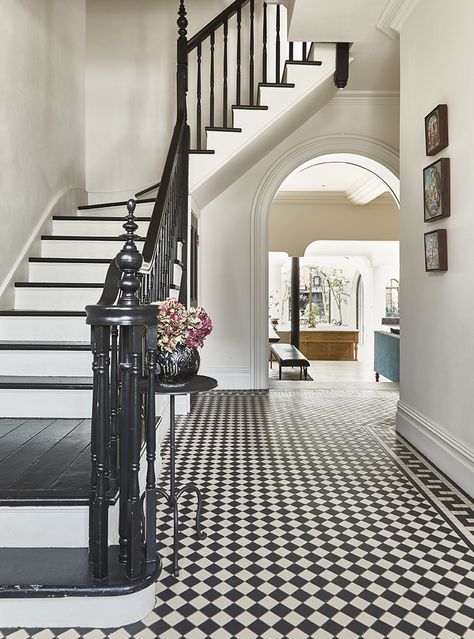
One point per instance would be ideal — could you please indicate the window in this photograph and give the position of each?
(391, 299)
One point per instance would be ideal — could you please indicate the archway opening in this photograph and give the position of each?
(370, 186)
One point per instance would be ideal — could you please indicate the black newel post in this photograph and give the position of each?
(182, 58)
(295, 301)
(341, 76)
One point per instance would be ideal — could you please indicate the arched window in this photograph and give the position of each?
(391, 299)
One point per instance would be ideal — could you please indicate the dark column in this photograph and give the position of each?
(295, 301)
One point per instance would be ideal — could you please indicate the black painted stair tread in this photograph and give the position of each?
(308, 63)
(281, 85)
(45, 383)
(45, 462)
(97, 218)
(59, 285)
(225, 129)
(105, 205)
(18, 345)
(69, 260)
(40, 313)
(65, 572)
(251, 107)
(201, 151)
(89, 238)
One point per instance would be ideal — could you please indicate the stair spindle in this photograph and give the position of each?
(114, 410)
(305, 51)
(292, 51)
(225, 87)
(252, 53)
(239, 56)
(198, 91)
(212, 71)
(265, 37)
(150, 518)
(278, 46)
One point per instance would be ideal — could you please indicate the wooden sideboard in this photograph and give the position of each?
(333, 345)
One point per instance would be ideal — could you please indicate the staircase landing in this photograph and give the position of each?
(44, 462)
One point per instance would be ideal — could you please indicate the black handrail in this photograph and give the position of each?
(214, 24)
(149, 248)
(148, 189)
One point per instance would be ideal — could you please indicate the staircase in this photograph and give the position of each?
(75, 549)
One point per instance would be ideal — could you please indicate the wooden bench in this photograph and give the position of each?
(288, 355)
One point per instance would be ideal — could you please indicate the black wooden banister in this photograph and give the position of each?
(150, 246)
(214, 24)
(124, 322)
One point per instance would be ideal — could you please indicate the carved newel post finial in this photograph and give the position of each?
(129, 261)
(182, 20)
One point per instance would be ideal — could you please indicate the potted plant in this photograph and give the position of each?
(180, 333)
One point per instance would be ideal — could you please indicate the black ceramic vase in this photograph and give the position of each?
(175, 369)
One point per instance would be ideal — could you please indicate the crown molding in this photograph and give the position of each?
(379, 98)
(393, 18)
(365, 190)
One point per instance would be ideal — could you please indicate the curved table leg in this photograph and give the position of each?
(191, 488)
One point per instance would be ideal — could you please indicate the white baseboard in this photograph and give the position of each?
(78, 612)
(230, 377)
(447, 453)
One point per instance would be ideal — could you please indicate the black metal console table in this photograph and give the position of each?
(198, 384)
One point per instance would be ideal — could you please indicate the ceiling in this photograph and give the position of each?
(378, 253)
(359, 185)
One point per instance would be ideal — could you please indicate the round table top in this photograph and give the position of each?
(198, 384)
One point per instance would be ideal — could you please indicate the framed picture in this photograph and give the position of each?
(436, 251)
(436, 130)
(436, 190)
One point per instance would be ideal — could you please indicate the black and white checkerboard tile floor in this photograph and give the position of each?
(319, 526)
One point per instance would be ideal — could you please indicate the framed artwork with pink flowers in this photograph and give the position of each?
(436, 130)
(436, 190)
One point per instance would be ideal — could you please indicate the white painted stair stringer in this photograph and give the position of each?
(279, 100)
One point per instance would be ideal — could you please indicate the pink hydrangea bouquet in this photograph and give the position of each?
(178, 325)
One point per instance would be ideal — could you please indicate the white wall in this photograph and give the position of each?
(131, 87)
(437, 349)
(297, 221)
(42, 113)
(227, 260)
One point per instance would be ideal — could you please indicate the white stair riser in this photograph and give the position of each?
(142, 210)
(67, 329)
(82, 248)
(56, 299)
(48, 363)
(44, 527)
(249, 121)
(88, 612)
(46, 403)
(67, 272)
(100, 227)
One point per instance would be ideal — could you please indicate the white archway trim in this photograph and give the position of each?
(371, 154)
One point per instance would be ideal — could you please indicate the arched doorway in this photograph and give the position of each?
(372, 155)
